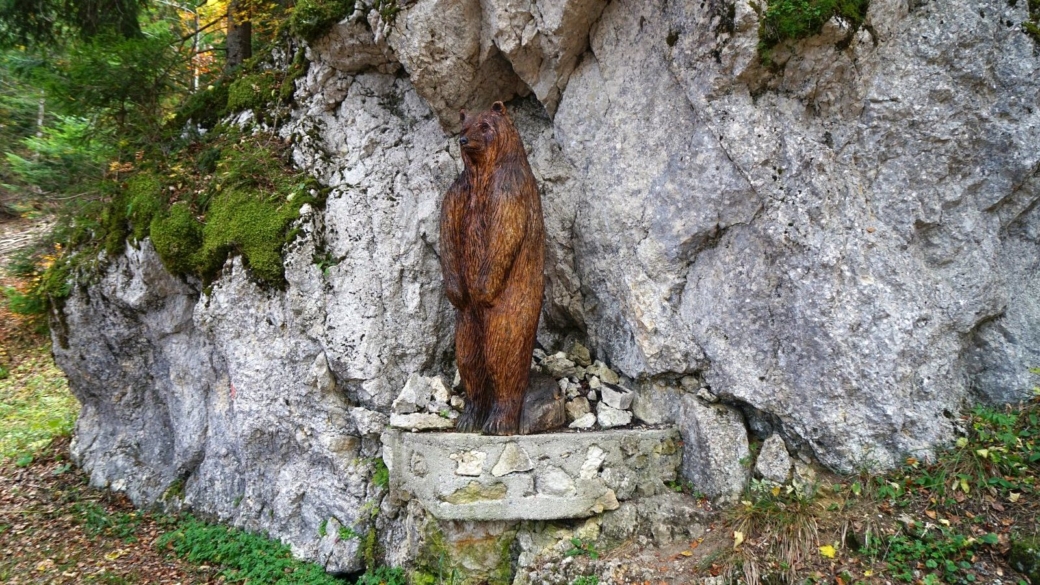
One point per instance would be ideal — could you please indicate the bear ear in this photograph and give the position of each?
(498, 107)
(462, 115)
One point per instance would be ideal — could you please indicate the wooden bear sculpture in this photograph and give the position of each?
(492, 256)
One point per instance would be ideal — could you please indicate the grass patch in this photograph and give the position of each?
(35, 405)
(955, 520)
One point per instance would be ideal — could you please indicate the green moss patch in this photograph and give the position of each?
(798, 19)
(252, 91)
(247, 209)
(177, 237)
(311, 19)
(204, 107)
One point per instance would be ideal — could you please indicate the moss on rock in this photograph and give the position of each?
(143, 201)
(252, 91)
(313, 18)
(177, 236)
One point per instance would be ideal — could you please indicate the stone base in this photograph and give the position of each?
(461, 476)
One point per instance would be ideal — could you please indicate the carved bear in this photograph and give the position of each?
(492, 256)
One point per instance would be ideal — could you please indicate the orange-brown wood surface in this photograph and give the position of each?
(492, 256)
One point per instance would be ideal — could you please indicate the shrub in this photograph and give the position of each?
(799, 19)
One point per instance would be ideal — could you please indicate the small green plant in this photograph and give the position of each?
(582, 548)
(244, 556)
(380, 473)
(945, 554)
(347, 533)
(797, 19)
(323, 528)
(383, 576)
(586, 580)
(97, 521)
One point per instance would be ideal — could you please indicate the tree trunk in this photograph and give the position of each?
(239, 36)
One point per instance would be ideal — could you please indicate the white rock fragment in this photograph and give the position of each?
(458, 403)
(413, 397)
(587, 421)
(457, 380)
(512, 460)
(617, 397)
(593, 461)
(439, 390)
(421, 421)
(774, 463)
(609, 417)
(592, 396)
(594, 382)
(470, 463)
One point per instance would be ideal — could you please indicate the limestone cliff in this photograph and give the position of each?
(842, 243)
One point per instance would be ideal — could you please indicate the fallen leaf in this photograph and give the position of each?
(828, 551)
(114, 555)
(997, 506)
(930, 514)
(944, 521)
(1013, 497)
(686, 553)
(738, 538)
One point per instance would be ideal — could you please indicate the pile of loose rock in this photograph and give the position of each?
(592, 390)
(592, 393)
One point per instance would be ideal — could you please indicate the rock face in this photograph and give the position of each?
(841, 248)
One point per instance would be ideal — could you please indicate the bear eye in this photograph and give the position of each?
(484, 127)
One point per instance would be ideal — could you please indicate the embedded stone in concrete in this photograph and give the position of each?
(610, 417)
(513, 459)
(593, 460)
(555, 482)
(469, 463)
(476, 492)
(774, 463)
(571, 475)
(616, 396)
